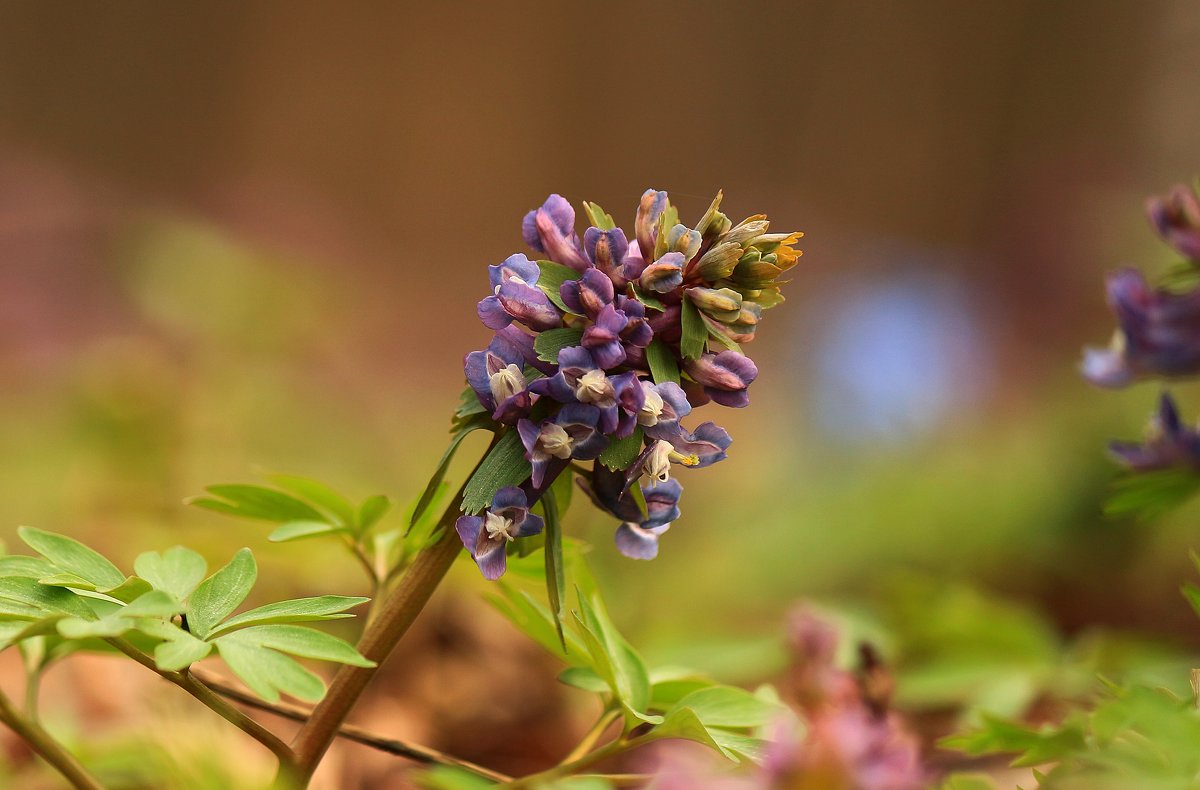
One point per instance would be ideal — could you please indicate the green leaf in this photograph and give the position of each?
(14, 631)
(259, 502)
(695, 333)
(129, 590)
(439, 474)
(583, 678)
(22, 594)
(684, 723)
(620, 453)
(535, 621)
(597, 216)
(550, 280)
(739, 746)
(321, 607)
(549, 343)
(268, 672)
(178, 570)
(968, 782)
(504, 465)
(1149, 495)
(298, 530)
(661, 359)
(562, 489)
(615, 660)
(372, 509)
(319, 494)
(668, 685)
(28, 567)
(726, 706)
(72, 556)
(219, 594)
(468, 407)
(178, 648)
(1035, 746)
(300, 641)
(715, 335)
(556, 582)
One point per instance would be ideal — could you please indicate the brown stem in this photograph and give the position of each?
(382, 634)
(44, 744)
(413, 751)
(219, 706)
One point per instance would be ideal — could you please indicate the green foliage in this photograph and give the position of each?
(549, 343)
(302, 507)
(73, 598)
(1151, 495)
(461, 431)
(620, 453)
(695, 333)
(550, 280)
(504, 465)
(556, 577)
(598, 217)
(663, 367)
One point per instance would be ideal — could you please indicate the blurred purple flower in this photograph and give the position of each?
(487, 536)
(724, 376)
(1168, 443)
(1158, 335)
(1176, 217)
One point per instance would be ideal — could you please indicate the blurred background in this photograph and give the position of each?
(251, 236)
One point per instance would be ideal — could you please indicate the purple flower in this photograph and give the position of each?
(724, 376)
(497, 377)
(637, 536)
(487, 536)
(663, 405)
(516, 297)
(571, 433)
(581, 380)
(637, 331)
(665, 274)
(589, 294)
(606, 249)
(1168, 443)
(1159, 333)
(1176, 217)
(551, 229)
(603, 338)
(703, 448)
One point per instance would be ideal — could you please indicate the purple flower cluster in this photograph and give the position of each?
(1158, 332)
(604, 344)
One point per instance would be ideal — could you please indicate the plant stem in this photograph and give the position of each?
(33, 683)
(610, 749)
(585, 745)
(44, 744)
(219, 706)
(416, 752)
(381, 635)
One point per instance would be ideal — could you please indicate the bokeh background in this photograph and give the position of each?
(242, 236)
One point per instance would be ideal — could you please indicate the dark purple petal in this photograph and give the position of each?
(488, 554)
(608, 491)
(529, 305)
(555, 225)
(725, 376)
(1176, 217)
(492, 313)
(509, 497)
(606, 249)
(532, 525)
(517, 266)
(529, 231)
(521, 342)
(589, 294)
(652, 204)
(662, 503)
(1168, 443)
(637, 331)
(555, 386)
(638, 543)
(580, 421)
(708, 443)
(666, 325)
(633, 265)
(475, 366)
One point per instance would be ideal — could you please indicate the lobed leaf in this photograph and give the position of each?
(318, 608)
(268, 672)
(319, 494)
(299, 641)
(299, 530)
(371, 510)
(550, 280)
(219, 594)
(178, 570)
(258, 502)
(504, 465)
(73, 557)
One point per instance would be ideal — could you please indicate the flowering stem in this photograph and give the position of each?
(607, 717)
(380, 637)
(413, 751)
(610, 749)
(44, 744)
(219, 706)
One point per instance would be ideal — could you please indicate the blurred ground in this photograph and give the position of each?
(252, 236)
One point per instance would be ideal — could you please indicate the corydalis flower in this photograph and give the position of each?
(572, 433)
(1158, 334)
(1176, 217)
(637, 536)
(486, 537)
(1168, 443)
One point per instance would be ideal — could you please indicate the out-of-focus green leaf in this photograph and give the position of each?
(1033, 746)
(258, 502)
(73, 557)
(536, 622)
(28, 567)
(434, 485)
(556, 581)
(319, 494)
(371, 510)
(219, 594)
(504, 465)
(549, 343)
(726, 706)
(299, 610)
(178, 570)
(299, 530)
(1150, 495)
(968, 782)
(583, 678)
(615, 660)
